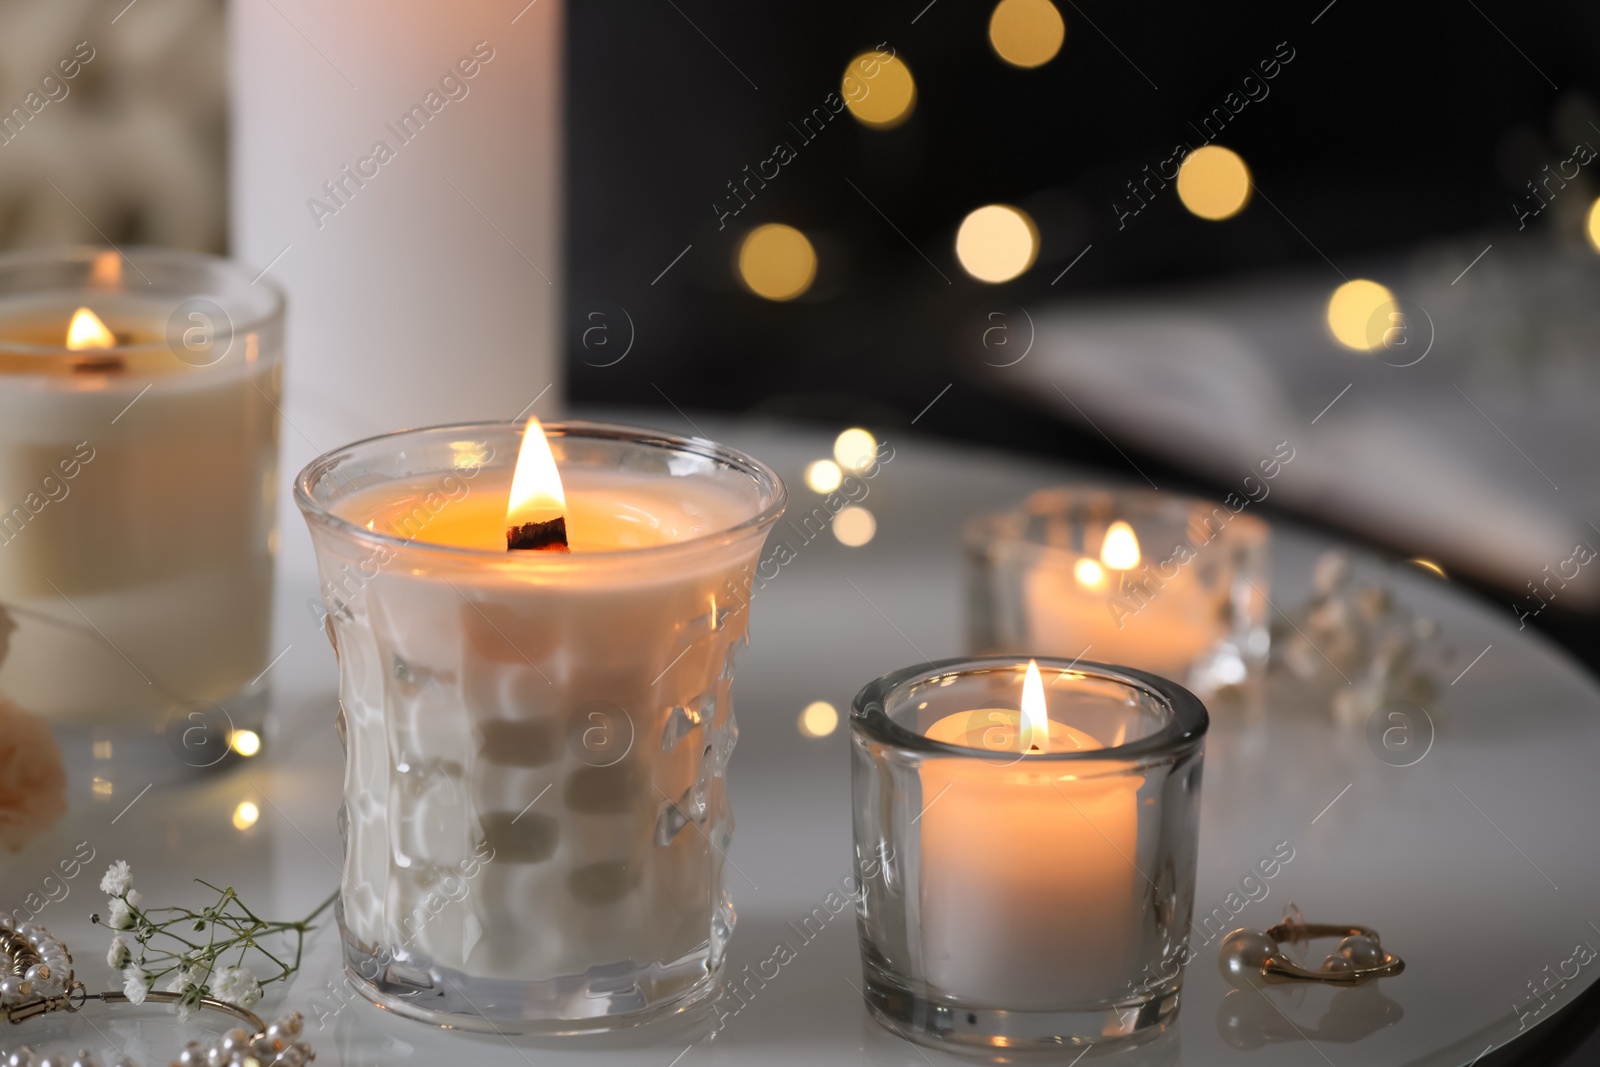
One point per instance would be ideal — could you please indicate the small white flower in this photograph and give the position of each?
(237, 986)
(119, 954)
(117, 880)
(135, 984)
(121, 917)
(184, 979)
(134, 898)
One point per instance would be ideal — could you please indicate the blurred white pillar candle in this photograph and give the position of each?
(399, 164)
(137, 474)
(534, 793)
(1028, 866)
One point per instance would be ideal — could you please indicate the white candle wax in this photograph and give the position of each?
(136, 497)
(1123, 616)
(1028, 895)
(545, 709)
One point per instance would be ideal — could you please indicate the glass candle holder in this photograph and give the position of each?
(1167, 584)
(138, 466)
(1025, 873)
(535, 815)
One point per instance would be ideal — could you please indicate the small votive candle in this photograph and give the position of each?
(1164, 583)
(535, 812)
(138, 464)
(1025, 836)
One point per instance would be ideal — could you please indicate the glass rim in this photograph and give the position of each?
(74, 253)
(982, 534)
(774, 491)
(1185, 729)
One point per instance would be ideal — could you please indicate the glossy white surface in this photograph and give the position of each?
(1457, 860)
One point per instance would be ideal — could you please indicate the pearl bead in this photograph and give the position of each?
(11, 991)
(1337, 964)
(293, 1023)
(23, 1057)
(1361, 951)
(85, 1059)
(1242, 955)
(39, 972)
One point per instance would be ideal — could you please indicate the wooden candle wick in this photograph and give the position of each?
(538, 536)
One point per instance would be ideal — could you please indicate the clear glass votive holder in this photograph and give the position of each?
(1021, 896)
(1168, 584)
(138, 474)
(535, 816)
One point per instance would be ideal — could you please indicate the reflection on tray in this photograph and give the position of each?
(1252, 1018)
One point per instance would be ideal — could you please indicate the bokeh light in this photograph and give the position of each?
(245, 742)
(823, 476)
(1353, 314)
(879, 90)
(855, 449)
(1592, 225)
(854, 526)
(996, 243)
(819, 719)
(1026, 33)
(245, 815)
(777, 262)
(1213, 182)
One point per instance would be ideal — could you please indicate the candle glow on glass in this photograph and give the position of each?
(86, 331)
(1090, 574)
(1120, 549)
(536, 493)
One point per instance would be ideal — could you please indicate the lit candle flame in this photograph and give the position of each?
(1120, 550)
(87, 331)
(1035, 723)
(536, 493)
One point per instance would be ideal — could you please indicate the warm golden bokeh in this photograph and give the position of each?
(1354, 314)
(1214, 183)
(879, 90)
(996, 243)
(855, 449)
(854, 526)
(819, 719)
(823, 476)
(777, 262)
(1592, 225)
(1026, 33)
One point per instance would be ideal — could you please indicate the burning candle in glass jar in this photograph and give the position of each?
(137, 477)
(535, 663)
(1028, 862)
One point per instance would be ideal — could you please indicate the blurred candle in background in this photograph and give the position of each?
(398, 166)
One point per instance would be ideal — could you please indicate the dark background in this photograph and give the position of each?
(1392, 124)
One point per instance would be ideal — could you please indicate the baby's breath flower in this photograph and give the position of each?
(236, 985)
(117, 880)
(121, 917)
(118, 955)
(135, 984)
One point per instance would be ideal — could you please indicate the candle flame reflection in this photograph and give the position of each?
(106, 271)
(1035, 723)
(536, 493)
(1120, 550)
(87, 331)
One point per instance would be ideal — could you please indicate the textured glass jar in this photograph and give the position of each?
(1184, 597)
(138, 473)
(1024, 899)
(535, 816)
